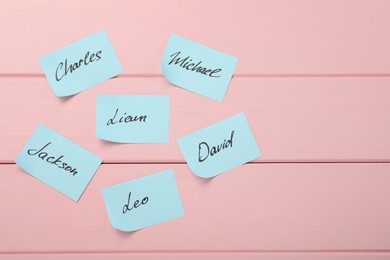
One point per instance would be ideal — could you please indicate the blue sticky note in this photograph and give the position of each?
(219, 147)
(133, 119)
(143, 202)
(197, 68)
(81, 65)
(58, 162)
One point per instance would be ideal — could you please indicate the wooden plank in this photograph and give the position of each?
(293, 119)
(268, 36)
(196, 256)
(256, 207)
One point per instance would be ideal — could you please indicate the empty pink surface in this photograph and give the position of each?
(293, 119)
(256, 207)
(197, 256)
(268, 36)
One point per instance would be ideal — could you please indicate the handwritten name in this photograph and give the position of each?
(136, 203)
(63, 69)
(51, 159)
(125, 119)
(204, 148)
(187, 64)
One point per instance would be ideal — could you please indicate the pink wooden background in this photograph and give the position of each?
(313, 79)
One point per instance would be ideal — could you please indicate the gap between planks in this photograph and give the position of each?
(379, 251)
(38, 75)
(281, 162)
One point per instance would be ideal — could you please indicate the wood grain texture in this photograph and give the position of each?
(268, 36)
(313, 80)
(277, 207)
(197, 256)
(293, 119)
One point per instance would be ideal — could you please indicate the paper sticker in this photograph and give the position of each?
(58, 162)
(219, 147)
(133, 119)
(81, 65)
(143, 202)
(198, 68)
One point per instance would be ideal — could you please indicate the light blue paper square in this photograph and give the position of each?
(133, 119)
(81, 65)
(158, 201)
(181, 67)
(234, 145)
(48, 155)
